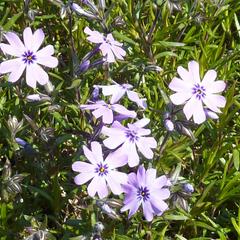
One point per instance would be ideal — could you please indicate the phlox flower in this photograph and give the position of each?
(28, 57)
(101, 171)
(104, 110)
(128, 138)
(145, 189)
(117, 91)
(110, 48)
(193, 92)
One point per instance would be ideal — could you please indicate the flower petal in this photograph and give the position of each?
(189, 107)
(45, 52)
(213, 101)
(83, 178)
(132, 206)
(102, 189)
(116, 160)
(147, 211)
(114, 184)
(180, 97)
(216, 87)
(95, 36)
(130, 150)
(38, 38)
(9, 49)
(144, 148)
(10, 65)
(193, 68)
(49, 61)
(199, 115)
(97, 151)
(28, 38)
(150, 176)
(209, 77)
(89, 155)
(141, 176)
(15, 41)
(185, 75)
(16, 74)
(179, 85)
(142, 122)
(34, 73)
(124, 111)
(79, 166)
(114, 141)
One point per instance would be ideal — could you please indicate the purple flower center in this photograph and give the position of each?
(28, 57)
(143, 194)
(101, 169)
(199, 91)
(132, 135)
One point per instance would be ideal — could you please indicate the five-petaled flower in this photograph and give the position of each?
(102, 172)
(145, 189)
(193, 92)
(110, 48)
(104, 110)
(128, 138)
(117, 91)
(28, 57)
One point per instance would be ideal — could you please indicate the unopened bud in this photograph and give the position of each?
(188, 188)
(102, 4)
(210, 114)
(169, 125)
(21, 142)
(95, 93)
(80, 11)
(83, 67)
(49, 87)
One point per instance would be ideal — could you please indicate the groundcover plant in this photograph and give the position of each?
(119, 119)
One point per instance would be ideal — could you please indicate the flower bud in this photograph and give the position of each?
(210, 114)
(98, 227)
(102, 4)
(169, 125)
(83, 67)
(49, 87)
(154, 68)
(95, 93)
(21, 142)
(188, 188)
(13, 125)
(81, 12)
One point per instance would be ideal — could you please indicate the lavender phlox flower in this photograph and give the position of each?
(28, 57)
(101, 171)
(110, 48)
(193, 92)
(128, 138)
(145, 189)
(117, 91)
(104, 110)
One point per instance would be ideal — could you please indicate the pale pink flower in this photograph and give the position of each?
(110, 48)
(28, 57)
(193, 92)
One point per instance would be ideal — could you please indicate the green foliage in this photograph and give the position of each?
(163, 33)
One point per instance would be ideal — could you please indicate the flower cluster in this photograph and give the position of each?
(124, 143)
(121, 143)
